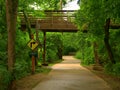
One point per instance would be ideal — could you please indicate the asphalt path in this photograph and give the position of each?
(70, 75)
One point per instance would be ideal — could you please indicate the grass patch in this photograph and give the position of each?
(46, 69)
(42, 70)
(55, 62)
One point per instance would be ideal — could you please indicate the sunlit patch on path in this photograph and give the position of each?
(70, 63)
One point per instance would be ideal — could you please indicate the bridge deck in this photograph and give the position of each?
(54, 21)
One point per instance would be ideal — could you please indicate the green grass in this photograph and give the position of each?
(42, 70)
(46, 69)
(55, 62)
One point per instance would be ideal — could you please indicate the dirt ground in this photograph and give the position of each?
(28, 82)
(31, 81)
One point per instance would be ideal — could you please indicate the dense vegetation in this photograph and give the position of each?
(99, 21)
(89, 43)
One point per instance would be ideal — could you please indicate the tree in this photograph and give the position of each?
(11, 16)
(91, 20)
(99, 14)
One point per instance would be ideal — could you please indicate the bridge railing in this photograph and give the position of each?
(53, 20)
(67, 15)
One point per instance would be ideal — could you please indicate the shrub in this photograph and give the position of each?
(79, 55)
(86, 57)
(21, 69)
(113, 69)
(5, 78)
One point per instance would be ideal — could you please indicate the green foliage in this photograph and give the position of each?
(112, 8)
(85, 52)
(69, 42)
(42, 70)
(103, 55)
(22, 67)
(86, 55)
(68, 49)
(115, 44)
(79, 55)
(3, 33)
(3, 47)
(93, 14)
(5, 78)
(116, 68)
(53, 45)
(89, 56)
(113, 69)
(40, 4)
(22, 57)
(90, 13)
(51, 55)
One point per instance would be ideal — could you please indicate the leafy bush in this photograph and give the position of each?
(108, 67)
(23, 61)
(113, 69)
(70, 41)
(22, 68)
(42, 70)
(5, 78)
(79, 55)
(86, 55)
(53, 47)
(68, 49)
(51, 55)
(116, 69)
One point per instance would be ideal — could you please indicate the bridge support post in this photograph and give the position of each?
(44, 50)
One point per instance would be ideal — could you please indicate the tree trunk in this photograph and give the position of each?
(59, 53)
(106, 41)
(28, 25)
(44, 49)
(95, 46)
(11, 16)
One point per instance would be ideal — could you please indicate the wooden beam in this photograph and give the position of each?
(44, 50)
(114, 26)
(60, 10)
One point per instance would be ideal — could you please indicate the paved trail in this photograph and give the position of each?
(70, 75)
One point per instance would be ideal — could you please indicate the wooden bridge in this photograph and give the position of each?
(54, 21)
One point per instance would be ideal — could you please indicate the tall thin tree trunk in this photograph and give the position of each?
(106, 41)
(95, 46)
(28, 25)
(11, 16)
